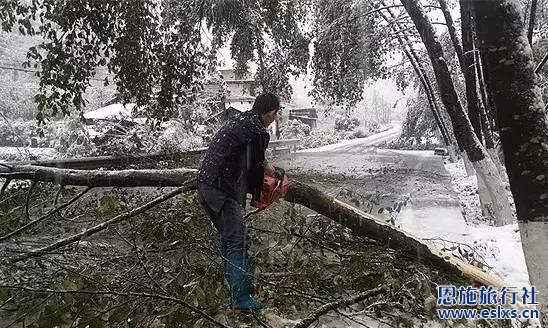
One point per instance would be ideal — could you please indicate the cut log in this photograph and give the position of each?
(364, 224)
(358, 221)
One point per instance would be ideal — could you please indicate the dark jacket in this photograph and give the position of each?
(234, 161)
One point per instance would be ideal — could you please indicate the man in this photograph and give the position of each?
(233, 166)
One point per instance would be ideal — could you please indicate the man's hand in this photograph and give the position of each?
(274, 171)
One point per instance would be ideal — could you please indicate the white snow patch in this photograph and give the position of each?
(389, 134)
(110, 111)
(467, 191)
(422, 153)
(498, 247)
(26, 153)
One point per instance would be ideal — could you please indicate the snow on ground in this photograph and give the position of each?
(110, 111)
(498, 247)
(25, 153)
(466, 188)
(372, 139)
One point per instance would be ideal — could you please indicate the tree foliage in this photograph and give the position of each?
(155, 50)
(348, 50)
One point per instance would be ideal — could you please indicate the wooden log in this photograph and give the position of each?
(100, 178)
(358, 221)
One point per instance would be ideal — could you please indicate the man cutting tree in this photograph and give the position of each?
(234, 165)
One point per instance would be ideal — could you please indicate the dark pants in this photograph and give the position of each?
(227, 216)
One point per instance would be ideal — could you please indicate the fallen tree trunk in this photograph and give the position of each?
(361, 223)
(99, 178)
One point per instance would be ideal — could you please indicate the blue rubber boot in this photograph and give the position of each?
(240, 286)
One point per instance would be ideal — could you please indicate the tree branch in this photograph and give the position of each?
(541, 64)
(96, 178)
(358, 221)
(102, 226)
(334, 305)
(532, 17)
(4, 187)
(27, 200)
(45, 216)
(126, 294)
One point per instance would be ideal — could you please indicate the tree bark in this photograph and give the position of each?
(532, 17)
(461, 124)
(491, 110)
(97, 178)
(421, 74)
(473, 104)
(359, 222)
(484, 100)
(453, 34)
(469, 67)
(523, 128)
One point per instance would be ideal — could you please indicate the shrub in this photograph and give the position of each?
(318, 138)
(295, 129)
(176, 138)
(69, 137)
(345, 123)
(16, 133)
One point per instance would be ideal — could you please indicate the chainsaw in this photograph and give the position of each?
(275, 186)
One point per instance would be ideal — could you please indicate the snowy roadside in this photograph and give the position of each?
(387, 133)
(9, 154)
(500, 246)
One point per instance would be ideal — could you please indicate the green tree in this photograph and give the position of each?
(155, 50)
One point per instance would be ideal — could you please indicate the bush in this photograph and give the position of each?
(345, 123)
(372, 127)
(69, 137)
(360, 133)
(16, 133)
(318, 138)
(295, 129)
(176, 138)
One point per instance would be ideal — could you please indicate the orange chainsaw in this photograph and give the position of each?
(275, 186)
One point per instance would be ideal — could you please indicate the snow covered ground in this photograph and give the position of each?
(393, 132)
(497, 247)
(25, 153)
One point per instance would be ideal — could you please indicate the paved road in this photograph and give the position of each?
(396, 174)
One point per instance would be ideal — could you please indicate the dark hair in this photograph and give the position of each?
(265, 103)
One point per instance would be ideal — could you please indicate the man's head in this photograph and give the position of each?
(267, 106)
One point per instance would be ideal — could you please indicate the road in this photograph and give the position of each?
(360, 144)
(360, 170)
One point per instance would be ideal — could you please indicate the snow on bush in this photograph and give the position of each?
(16, 133)
(318, 138)
(176, 138)
(295, 129)
(345, 123)
(69, 137)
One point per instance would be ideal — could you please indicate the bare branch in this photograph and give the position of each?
(126, 294)
(32, 185)
(45, 216)
(4, 187)
(541, 64)
(98, 178)
(102, 226)
(334, 305)
(532, 17)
